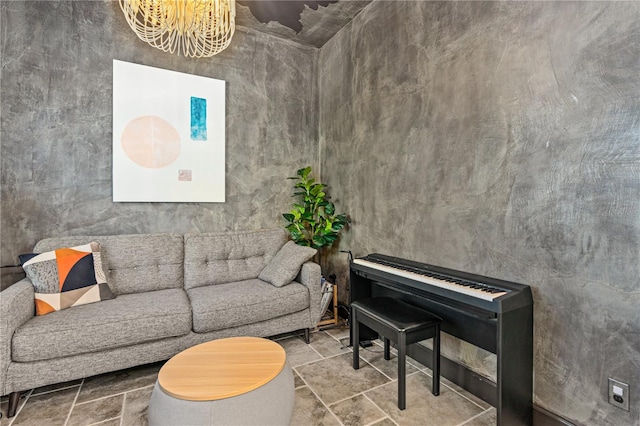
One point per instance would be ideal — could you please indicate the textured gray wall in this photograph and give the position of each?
(56, 125)
(502, 138)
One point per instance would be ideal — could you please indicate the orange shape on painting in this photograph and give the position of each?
(151, 142)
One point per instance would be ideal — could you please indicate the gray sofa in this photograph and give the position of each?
(172, 292)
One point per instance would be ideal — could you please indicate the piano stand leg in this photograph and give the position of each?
(355, 327)
(387, 349)
(402, 370)
(435, 363)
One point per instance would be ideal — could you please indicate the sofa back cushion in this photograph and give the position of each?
(219, 258)
(133, 263)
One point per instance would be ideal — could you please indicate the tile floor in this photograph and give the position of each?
(328, 392)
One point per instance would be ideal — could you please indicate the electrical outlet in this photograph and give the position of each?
(619, 394)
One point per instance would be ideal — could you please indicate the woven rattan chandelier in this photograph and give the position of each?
(194, 28)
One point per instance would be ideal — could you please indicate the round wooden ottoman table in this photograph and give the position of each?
(232, 381)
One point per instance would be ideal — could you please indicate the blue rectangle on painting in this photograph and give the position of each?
(198, 119)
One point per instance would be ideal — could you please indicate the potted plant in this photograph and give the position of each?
(313, 220)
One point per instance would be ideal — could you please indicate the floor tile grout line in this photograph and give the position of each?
(363, 394)
(104, 421)
(114, 394)
(338, 339)
(460, 393)
(482, 413)
(354, 395)
(312, 361)
(124, 400)
(387, 415)
(370, 389)
(342, 345)
(321, 359)
(316, 351)
(375, 422)
(306, 363)
(73, 404)
(321, 400)
(54, 390)
(328, 356)
(377, 369)
(409, 360)
(455, 391)
(469, 399)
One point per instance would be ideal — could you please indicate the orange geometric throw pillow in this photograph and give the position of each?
(66, 277)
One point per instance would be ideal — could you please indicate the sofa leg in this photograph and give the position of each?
(14, 399)
(307, 339)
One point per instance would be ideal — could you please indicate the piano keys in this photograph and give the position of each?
(493, 314)
(470, 288)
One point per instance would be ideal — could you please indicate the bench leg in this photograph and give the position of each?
(435, 363)
(402, 371)
(355, 327)
(387, 349)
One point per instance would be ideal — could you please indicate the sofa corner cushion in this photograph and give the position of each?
(286, 264)
(126, 320)
(221, 306)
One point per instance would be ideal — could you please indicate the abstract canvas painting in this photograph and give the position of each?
(168, 136)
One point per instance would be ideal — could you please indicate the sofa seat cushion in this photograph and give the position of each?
(126, 320)
(220, 306)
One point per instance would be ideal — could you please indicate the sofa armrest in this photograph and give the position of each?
(16, 308)
(310, 276)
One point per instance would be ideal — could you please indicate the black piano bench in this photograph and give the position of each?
(403, 323)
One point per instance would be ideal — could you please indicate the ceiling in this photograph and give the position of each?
(307, 22)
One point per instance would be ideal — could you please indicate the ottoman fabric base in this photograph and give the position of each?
(270, 404)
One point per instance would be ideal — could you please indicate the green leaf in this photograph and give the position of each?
(330, 239)
(318, 241)
(304, 172)
(288, 216)
(329, 208)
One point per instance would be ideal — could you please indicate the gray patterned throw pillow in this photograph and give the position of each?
(286, 264)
